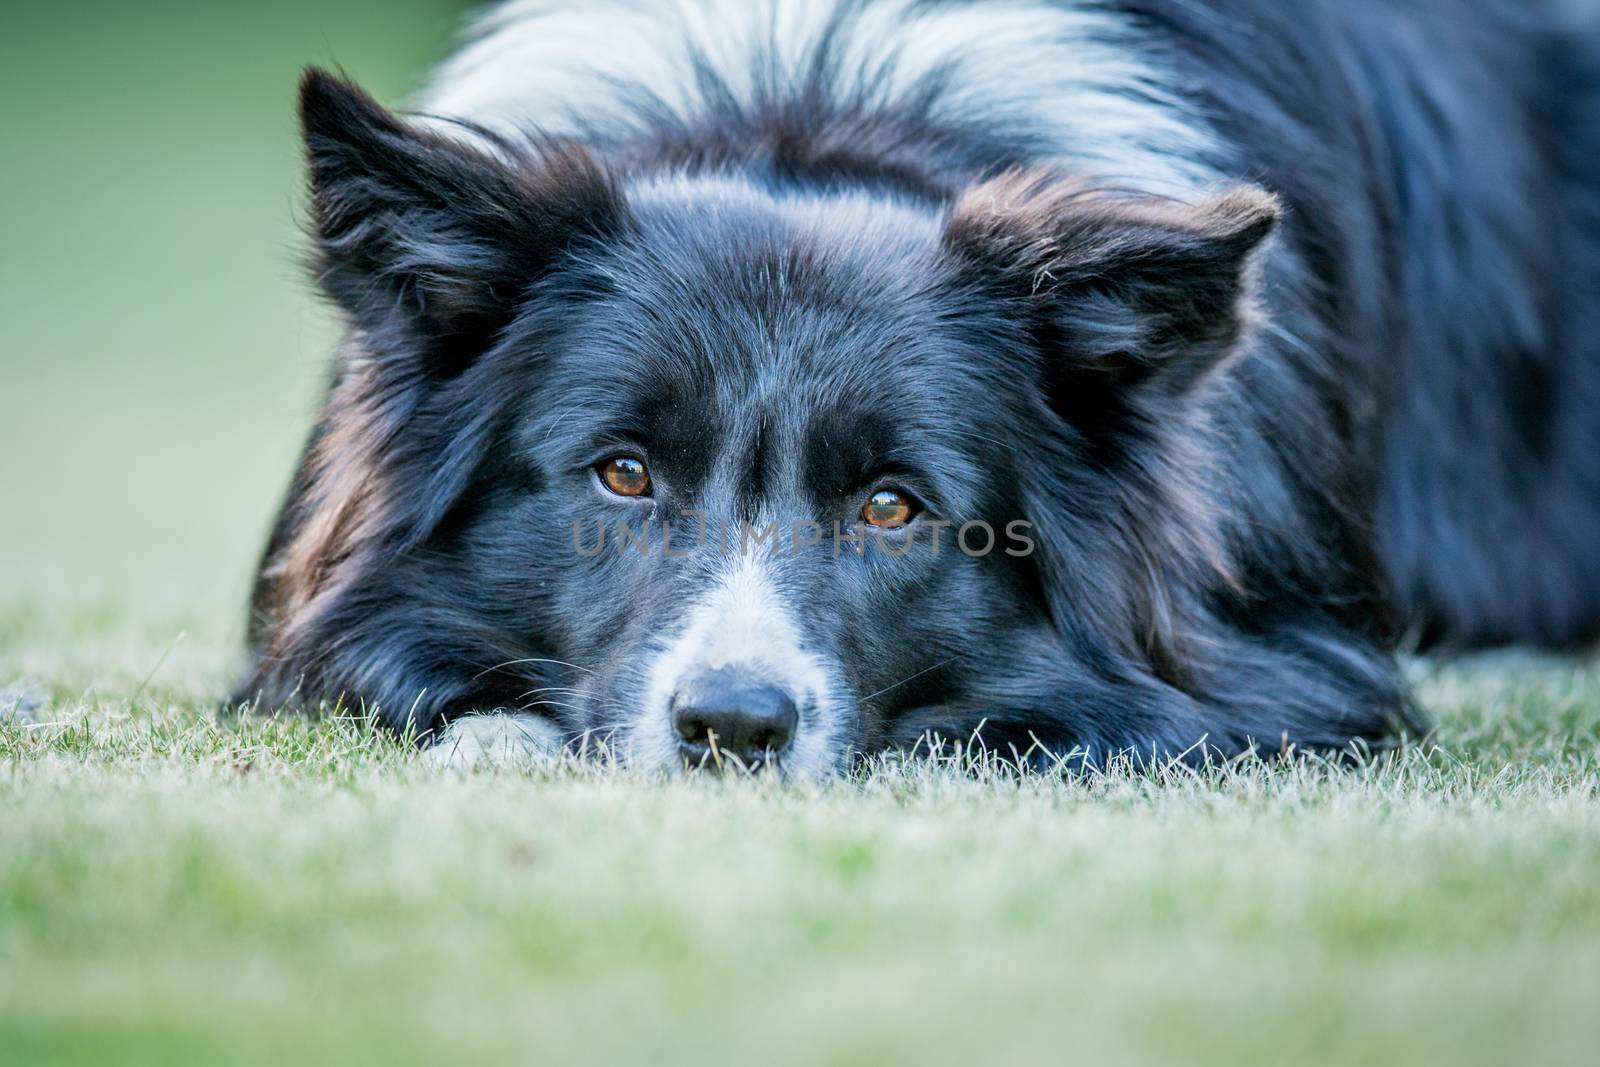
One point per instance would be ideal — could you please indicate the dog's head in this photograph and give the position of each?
(713, 465)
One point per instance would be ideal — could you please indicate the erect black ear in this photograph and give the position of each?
(1120, 291)
(428, 242)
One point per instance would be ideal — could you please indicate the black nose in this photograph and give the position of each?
(719, 715)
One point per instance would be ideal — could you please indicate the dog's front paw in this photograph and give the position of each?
(495, 740)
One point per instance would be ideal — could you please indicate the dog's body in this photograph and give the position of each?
(1277, 327)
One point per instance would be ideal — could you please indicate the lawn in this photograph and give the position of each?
(174, 890)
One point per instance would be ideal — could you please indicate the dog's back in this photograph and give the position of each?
(1490, 513)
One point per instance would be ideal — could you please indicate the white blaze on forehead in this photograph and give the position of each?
(1076, 76)
(742, 623)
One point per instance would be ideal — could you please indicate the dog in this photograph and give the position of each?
(767, 384)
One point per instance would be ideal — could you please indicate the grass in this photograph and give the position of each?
(176, 890)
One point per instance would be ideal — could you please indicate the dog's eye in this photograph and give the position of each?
(888, 507)
(626, 476)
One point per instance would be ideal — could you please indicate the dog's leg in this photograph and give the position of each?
(494, 739)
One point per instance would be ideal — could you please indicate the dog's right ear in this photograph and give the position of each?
(427, 242)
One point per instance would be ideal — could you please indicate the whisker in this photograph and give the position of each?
(530, 659)
(910, 677)
(548, 689)
(549, 704)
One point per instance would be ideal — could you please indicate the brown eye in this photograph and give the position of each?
(888, 507)
(626, 476)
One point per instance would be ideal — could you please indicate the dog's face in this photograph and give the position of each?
(754, 445)
(708, 469)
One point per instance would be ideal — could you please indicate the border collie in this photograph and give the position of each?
(769, 383)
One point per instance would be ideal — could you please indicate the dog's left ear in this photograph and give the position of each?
(1120, 292)
(429, 242)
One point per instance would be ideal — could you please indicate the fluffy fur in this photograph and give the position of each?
(1275, 325)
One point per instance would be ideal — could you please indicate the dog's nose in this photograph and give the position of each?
(750, 721)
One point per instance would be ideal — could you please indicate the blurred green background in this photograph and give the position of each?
(162, 351)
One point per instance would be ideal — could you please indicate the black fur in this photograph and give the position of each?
(1265, 436)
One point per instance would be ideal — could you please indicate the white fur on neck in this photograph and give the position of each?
(1076, 77)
